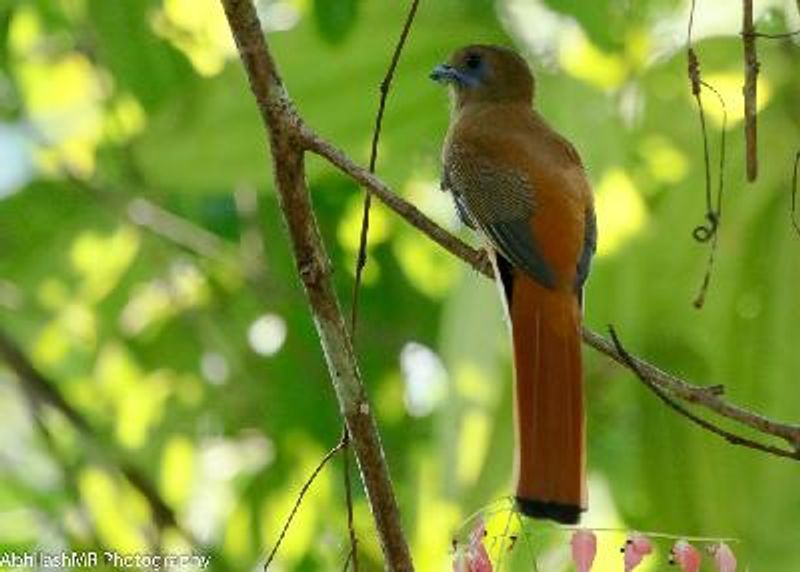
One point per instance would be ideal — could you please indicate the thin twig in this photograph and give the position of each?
(751, 66)
(779, 36)
(700, 233)
(709, 230)
(673, 404)
(795, 222)
(709, 397)
(348, 496)
(704, 232)
(301, 495)
(385, 86)
(713, 213)
(347, 560)
(501, 551)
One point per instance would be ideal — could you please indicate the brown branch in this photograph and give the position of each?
(732, 438)
(475, 258)
(285, 131)
(750, 89)
(708, 397)
(342, 444)
(778, 36)
(386, 84)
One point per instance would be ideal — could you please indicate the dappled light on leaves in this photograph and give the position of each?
(380, 225)
(119, 513)
(729, 85)
(198, 28)
(124, 119)
(74, 327)
(666, 163)
(267, 334)
(425, 379)
(215, 368)
(136, 399)
(101, 260)
(238, 542)
(621, 212)
(427, 267)
(68, 120)
(473, 440)
(586, 62)
(434, 514)
(152, 303)
(177, 469)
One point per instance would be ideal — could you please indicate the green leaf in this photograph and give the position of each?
(598, 18)
(139, 60)
(335, 18)
(6, 11)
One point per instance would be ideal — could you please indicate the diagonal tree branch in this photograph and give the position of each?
(708, 397)
(475, 258)
(284, 128)
(672, 403)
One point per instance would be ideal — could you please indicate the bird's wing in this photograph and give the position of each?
(500, 202)
(458, 199)
(589, 248)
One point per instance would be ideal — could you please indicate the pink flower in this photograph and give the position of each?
(686, 556)
(584, 548)
(636, 548)
(724, 560)
(474, 558)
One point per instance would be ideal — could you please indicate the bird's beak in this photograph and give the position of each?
(445, 73)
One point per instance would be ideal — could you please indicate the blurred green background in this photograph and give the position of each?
(144, 269)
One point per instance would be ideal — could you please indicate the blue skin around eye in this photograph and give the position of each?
(471, 77)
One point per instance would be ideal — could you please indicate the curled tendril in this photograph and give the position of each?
(705, 232)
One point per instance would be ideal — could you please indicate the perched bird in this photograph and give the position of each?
(522, 186)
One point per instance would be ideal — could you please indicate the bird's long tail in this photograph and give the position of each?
(550, 430)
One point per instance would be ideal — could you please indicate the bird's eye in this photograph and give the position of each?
(473, 61)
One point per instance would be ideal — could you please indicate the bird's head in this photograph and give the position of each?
(484, 73)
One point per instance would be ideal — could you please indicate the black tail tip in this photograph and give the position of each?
(559, 512)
